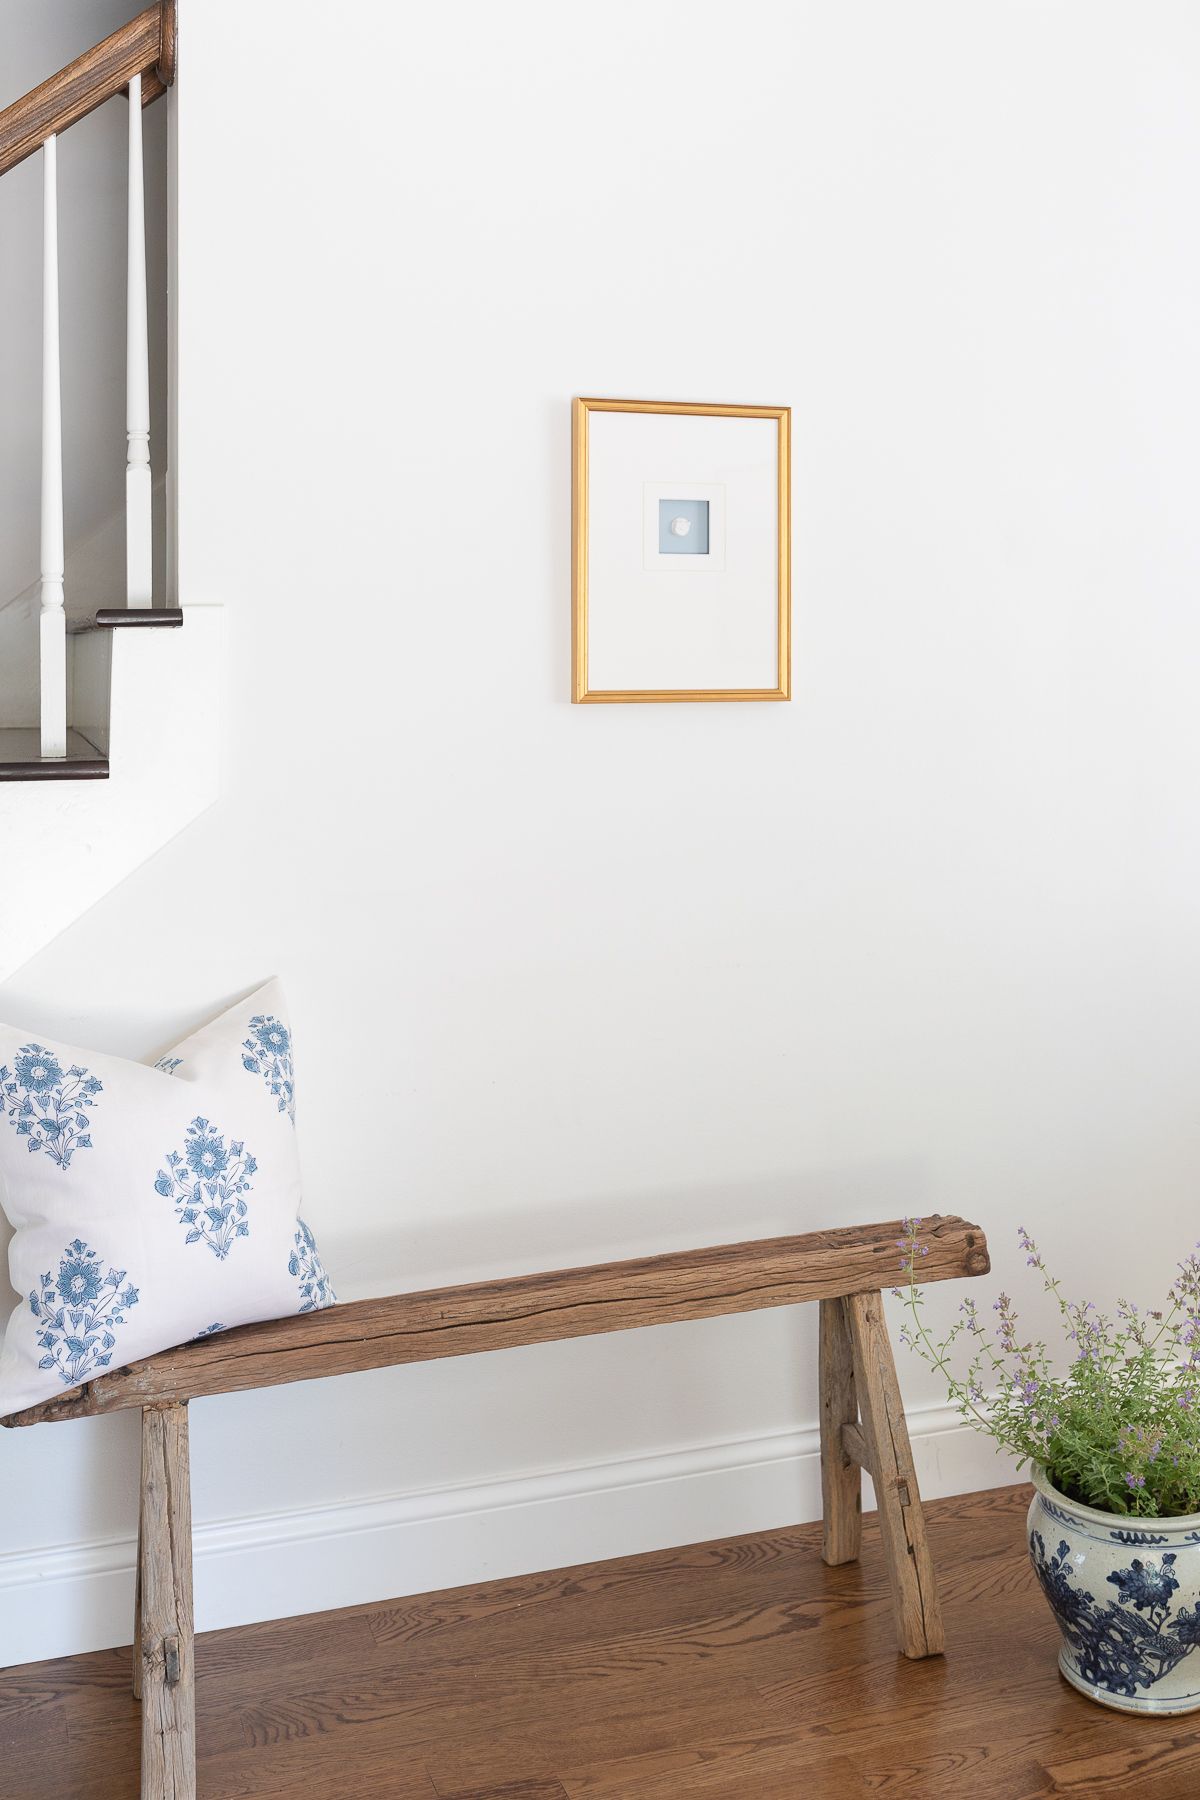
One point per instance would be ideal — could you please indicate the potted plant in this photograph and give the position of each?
(1113, 1447)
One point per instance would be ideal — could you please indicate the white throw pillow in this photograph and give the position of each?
(151, 1205)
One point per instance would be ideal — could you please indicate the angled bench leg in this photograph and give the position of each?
(165, 1559)
(883, 1444)
(841, 1477)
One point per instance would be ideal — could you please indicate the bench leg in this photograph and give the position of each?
(901, 1520)
(168, 1670)
(841, 1478)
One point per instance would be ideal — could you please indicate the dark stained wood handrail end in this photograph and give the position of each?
(165, 67)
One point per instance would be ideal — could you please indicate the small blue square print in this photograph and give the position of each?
(683, 527)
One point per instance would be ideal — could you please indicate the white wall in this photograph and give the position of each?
(577, 982)
(38, 37)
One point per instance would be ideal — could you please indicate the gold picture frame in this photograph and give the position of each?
(582, 693)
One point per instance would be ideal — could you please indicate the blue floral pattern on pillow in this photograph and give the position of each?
(77, 1313)
(209, 1183)
(47, 1105)
(316, 1290)
(267, 1052)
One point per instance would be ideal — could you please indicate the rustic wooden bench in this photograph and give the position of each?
(862, 1416)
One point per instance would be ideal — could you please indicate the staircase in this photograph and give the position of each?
(69, 741)
(109, 712)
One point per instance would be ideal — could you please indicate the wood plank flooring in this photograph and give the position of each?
(744, 1668)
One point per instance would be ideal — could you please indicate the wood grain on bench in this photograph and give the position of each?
(529, 1309)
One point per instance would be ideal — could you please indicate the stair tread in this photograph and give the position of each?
(21, 757)
(113, 618)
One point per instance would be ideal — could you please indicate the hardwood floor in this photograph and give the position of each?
(744, 1668)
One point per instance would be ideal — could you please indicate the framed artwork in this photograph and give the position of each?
(681, 551)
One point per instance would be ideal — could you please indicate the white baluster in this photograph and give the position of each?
(139, 547)
(53, 663)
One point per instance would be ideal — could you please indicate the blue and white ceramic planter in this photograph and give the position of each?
(1126, 1595)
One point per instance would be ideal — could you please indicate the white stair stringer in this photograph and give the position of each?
(151, 699)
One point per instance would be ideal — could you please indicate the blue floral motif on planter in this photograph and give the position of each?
(168, 1064)
(46, 1104)
(209, 1183)
(268, 1052)
(1133, 1641)
(305, 1263)
(77, 1312)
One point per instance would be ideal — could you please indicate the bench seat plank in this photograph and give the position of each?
(530, 1309)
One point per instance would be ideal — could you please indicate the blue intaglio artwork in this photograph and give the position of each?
(78, 1313)
(267, 1052)
(208, 1182)
(1134, 1640)
(48, 1105)
(305, 1264)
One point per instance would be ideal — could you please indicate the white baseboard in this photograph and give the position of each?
(79, 1597)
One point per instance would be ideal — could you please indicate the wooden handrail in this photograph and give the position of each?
(145, 47)
(530, 1309)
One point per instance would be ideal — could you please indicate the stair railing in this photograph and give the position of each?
(139, 61)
